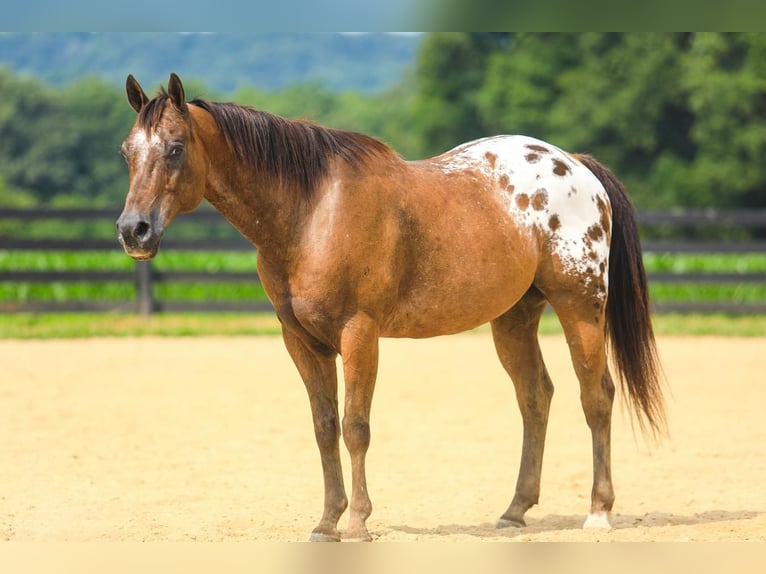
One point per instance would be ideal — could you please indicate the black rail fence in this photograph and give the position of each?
(144, 276)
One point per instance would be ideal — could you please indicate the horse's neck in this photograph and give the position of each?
(256, 206)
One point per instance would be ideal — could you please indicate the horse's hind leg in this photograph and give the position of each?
(585, 333)
(515, 335)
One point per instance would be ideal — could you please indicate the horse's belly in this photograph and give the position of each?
(442, 318)
(444, 306)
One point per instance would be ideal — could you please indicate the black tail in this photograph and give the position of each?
(628, 317)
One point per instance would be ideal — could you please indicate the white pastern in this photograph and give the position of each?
(597, 520)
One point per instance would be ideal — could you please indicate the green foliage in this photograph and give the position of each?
(100, 119)
(386, 115)
(13, 197)
(450, 70)
(679, 117)
(522, 83)
(61, 146)
(726, 77)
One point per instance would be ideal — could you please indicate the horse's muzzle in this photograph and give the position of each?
(138, 235)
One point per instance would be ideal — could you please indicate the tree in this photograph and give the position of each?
(624, 102)
(450, 72)
(100, 118)
(387, 115)
(523, 83)
(726, 78)
(61, 145)
(680, 117)
(34, 137)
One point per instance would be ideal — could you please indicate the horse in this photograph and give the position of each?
(356, 243)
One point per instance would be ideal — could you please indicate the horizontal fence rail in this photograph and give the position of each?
(144, 277)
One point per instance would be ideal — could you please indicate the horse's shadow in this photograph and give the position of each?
(553, 522)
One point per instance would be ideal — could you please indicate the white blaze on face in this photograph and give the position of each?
(547, 190)
(142, 145)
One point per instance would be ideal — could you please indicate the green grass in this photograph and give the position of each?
(708, 292)
(117, 261)
(709, 263)
(84, 325)
(213, 262)
(720, 263)
(675, 324)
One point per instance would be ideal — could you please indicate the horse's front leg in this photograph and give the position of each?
(320, 377)
(359, 349)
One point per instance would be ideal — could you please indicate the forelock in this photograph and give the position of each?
(151, 113)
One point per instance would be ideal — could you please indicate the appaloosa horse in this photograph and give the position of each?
(355, 243)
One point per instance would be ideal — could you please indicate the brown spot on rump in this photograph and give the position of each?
(593, 256)
(535, 147)
(602, 207)
(560, 168)
(505, 183)
(602, 266)
(540, 199)
(606, 218)
(491, 158)
(595, 232)
(522, 201)
(532, 157)
(554, 223)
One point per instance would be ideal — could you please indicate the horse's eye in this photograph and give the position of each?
(175, 151)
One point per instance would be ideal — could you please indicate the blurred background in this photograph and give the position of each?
(679, 117)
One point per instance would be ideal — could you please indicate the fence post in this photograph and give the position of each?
(144, 288)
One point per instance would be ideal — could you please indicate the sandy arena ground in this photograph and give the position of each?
(158, 439)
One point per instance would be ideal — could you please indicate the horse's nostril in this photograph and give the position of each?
(142, 230)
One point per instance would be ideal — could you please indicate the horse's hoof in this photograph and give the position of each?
(324, 537)
(509, 523)
(359, 536)
(368, 538)
(597, 520)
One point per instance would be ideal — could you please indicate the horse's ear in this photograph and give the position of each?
(176, 92)
(136, 95)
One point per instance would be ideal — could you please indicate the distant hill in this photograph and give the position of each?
(222, 62)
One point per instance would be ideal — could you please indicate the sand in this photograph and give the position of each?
(210, 439)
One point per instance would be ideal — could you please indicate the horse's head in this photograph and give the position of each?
(166, 165)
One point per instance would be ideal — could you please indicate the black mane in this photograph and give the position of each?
(294, 150)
